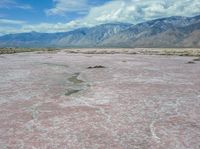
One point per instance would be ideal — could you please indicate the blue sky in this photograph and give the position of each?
(64, 15)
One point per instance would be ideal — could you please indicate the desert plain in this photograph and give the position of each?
(69, 99)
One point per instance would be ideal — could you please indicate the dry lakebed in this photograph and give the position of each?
(63, 100)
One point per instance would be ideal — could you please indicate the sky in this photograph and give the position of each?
(18, 16)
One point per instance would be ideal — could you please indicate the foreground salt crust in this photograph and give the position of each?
(133, 102)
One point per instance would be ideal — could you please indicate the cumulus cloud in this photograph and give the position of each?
(64, 6)
(136, 11)
(128, 11)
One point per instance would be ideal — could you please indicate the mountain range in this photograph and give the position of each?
(171, 32)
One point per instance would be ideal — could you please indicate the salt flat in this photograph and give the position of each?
(53, 101)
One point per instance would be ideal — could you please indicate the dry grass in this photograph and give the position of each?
(20, 50)
(146, 51)
(197, 59)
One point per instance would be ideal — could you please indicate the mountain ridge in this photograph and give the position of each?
(175, 31)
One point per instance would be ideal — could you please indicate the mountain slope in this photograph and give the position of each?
(84, 37)
(32, 39)
(91, 37)
(168, 32)
(165, 32)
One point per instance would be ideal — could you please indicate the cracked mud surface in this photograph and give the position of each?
(52, 101)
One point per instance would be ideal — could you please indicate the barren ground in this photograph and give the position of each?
(53, 101)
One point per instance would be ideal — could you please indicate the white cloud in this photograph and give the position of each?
(10, 26)
(129, 11)
(42, 27)
(50, 27)
(11, 22)
(13, 4)
(63, 6)
(136, 11)
(7, 30)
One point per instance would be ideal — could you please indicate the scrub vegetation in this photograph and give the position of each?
(20, 50)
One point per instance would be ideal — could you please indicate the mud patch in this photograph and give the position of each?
(97, 66)
(191, 62)
(56, 65)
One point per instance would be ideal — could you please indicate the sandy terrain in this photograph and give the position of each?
(53, 101)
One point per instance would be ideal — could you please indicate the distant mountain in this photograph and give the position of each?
(32, 39)
(166, 32)
(90, 37)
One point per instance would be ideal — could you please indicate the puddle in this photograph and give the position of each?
(78, 85)
(74, 79)
(71, 91)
